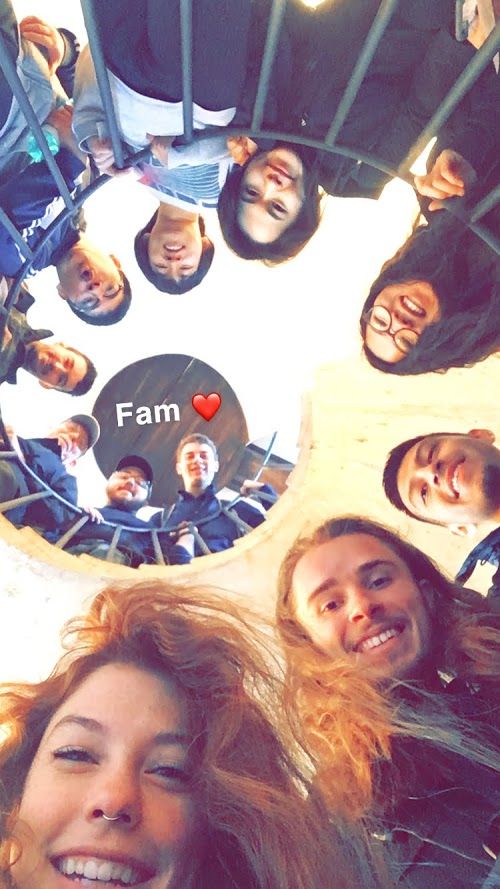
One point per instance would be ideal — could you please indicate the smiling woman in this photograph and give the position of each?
(198, 789)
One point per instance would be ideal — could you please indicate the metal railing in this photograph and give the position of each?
(329, 144)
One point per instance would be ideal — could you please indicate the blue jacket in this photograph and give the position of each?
(487, 550)
(43, 456)
(218, 530)
(32, 201)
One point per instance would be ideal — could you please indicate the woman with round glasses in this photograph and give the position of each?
(155, 756)
(395, 673)
(436, 303)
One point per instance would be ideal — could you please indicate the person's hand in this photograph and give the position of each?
(159, 147)
(241, 149)
(69, 449)
(95, 515)
(250, 485)
(37, 31)
(186, 539)
(451, 176)
(102, 152)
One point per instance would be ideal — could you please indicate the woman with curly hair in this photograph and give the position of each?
(394, 670)
(154, 756)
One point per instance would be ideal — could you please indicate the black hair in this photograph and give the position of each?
(111, 317)
(469, 299)
(162, 282)
(87, 381)
(391, 469)
(294, 237)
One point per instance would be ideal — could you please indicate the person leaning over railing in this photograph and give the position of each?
(52, 458)
(56, 365)
(395, 671)
(157, 753)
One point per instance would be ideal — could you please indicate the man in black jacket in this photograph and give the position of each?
(52, 458)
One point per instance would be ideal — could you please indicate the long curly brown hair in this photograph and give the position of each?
(265, 829)
(350, 722)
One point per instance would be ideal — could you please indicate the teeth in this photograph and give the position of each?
(454, 482)
(412, 306)
(98, 870)
(375, 641)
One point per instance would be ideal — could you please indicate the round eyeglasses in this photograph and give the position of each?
(380, 319)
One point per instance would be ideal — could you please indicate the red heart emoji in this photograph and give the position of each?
(206, 405)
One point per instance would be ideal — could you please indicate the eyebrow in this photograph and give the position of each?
(360, 570)
(93, 725)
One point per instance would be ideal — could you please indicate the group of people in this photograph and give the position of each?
(175, 744)
(429, 309)
(199, 521)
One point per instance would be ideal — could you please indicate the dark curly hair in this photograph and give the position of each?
(469, 297)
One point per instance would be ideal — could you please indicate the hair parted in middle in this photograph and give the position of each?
(264, 827)
(468, 330)
(350, 721)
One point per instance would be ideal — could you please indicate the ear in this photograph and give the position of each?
(484, 434)
(178, 468)
(462, 530)
(428, 593)
(116, 261)
(46, 385)
(216, 466)
(70, 464)
(61, 291)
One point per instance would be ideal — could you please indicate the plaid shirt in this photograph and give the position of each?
(13, 352)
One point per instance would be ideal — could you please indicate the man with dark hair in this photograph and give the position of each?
(197, 506)
(128, 489)
(56, 365)
(90, 281)
(52, 458)
(449, 479)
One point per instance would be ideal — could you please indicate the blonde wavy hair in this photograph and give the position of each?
(350, 722)
(265, 829)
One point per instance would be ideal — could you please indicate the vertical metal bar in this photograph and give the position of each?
(199, 540)
(266, 457)
(102, 79)
(9, 69)
(157, 548)
(187, 67)
(61, 543)
(372, 41)
(236, 519)
(13, 232)
(463, 83)
(486, 204)
(114, 543)
(273, 31)
(21, 501)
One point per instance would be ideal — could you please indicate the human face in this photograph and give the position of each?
(96, 757)
(128, 488)
(412, 307)
(355, 596)
(56, 365)
(73, 439)
(91, 281)
(197, 465)
(175, 245)
(271, 194)
(452, 479)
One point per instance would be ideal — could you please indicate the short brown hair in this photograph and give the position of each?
(199, 438)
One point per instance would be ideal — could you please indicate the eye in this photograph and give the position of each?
(170, 773)
(331, 605)
(73, 754)
(424, 490)
(380, 581)
(278, 208)
(431, 453)
(251, 192)
(86, 275)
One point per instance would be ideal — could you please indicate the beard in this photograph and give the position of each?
(491, 488)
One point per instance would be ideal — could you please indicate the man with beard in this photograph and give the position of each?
(451, 479)
(198, 505)
(128, 489)
(56, 365)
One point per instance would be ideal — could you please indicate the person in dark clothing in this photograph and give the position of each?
(487, 550)
(128, 489)
(395, 670)
(198, 505)
(56, 365)
(91, 282)
(50, 458)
